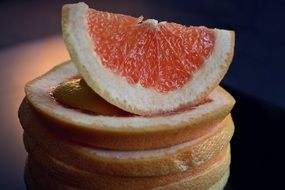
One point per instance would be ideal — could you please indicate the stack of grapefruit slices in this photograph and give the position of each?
(139, 106)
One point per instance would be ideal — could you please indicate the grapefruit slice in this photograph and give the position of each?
(145, 67)
(115, 132)
(201, 177)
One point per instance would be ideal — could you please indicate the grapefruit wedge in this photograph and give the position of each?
(145, 67)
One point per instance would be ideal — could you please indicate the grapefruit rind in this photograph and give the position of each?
(203, 176)
(33, 181)
(133, 97)
(126, 133)
(156, 162)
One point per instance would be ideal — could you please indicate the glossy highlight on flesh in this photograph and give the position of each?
(75, 93)
(162, 56)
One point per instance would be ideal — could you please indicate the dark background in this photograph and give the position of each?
(256, 77)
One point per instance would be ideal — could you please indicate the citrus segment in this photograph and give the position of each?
(145, 67)
(162, 55)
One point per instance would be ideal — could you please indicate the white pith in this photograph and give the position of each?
(38, 93)
(134, 97)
